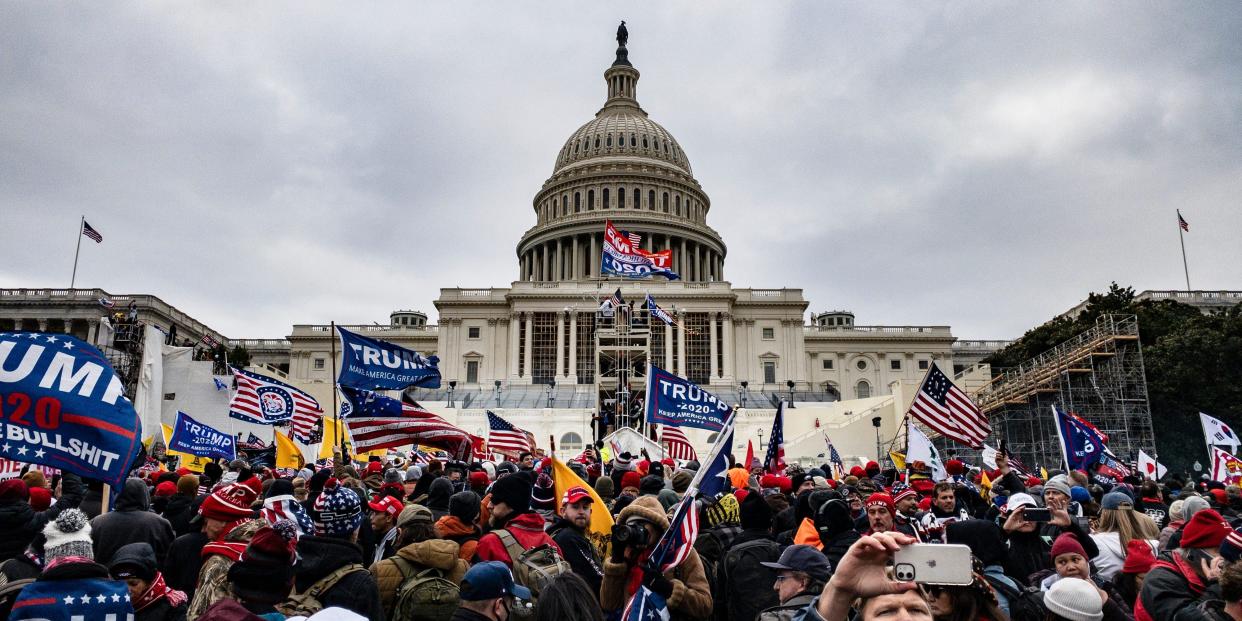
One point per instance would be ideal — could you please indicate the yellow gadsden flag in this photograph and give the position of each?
(899, 460)
(193, 462)
(287, 453)
(599, 531)
(333, 430)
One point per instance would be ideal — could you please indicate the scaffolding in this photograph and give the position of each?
(622, 347)
(1097, 374)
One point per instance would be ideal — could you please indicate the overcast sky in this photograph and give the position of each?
(981, 165)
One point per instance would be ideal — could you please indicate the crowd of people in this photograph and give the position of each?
(442, 540)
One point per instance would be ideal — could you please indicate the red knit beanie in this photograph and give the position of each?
(1065, 544)
(631, 479)
(1205, 530)
(857, 471)
(1139, 557)
(954, 467)
(881, 500)
(40, 498)
(167, 488)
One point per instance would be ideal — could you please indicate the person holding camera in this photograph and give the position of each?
(684, 587)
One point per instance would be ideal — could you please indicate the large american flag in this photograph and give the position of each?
(947, 410)
(266, 401)
(833, 455)
(379, 422)
(676, 444)
(775, 461)
(675, 545)
(503, 437)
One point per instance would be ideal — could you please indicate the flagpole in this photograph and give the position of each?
(336, 410)
(1181, 237)
(82, 223)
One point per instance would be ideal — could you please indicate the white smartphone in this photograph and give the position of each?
(933, 563)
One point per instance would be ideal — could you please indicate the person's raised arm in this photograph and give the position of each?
(862, 572)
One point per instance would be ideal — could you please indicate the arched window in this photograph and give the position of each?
(666, 202)
(577, 202)
(575, 148)
(863, 389)
(637, 197)
(607, 205)
(645, 142)
(677, 205)
(564, 204)
(666, 148)
(633, 140)
(608, 142)
(571, 443)
(590, 200)
(597, 142)
(651, 204)
(620, 198)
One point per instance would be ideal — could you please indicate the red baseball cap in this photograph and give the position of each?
(575, 494)
(387, 504)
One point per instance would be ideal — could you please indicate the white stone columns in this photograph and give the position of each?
(712, 350)
(668, 347)
(560, 344)
(681, 344)
(727, 327)
(573, 344)
(513, 345)
(593, 258)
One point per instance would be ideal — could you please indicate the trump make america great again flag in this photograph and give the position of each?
(266, 401)
(61, 405)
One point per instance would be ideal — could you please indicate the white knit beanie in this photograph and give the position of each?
(1074, 599)
(68, 535)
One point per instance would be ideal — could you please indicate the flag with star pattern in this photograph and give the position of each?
(948, 411)
(74, 600)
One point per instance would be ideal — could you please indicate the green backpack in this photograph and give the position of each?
(424, 595)
(534, 568)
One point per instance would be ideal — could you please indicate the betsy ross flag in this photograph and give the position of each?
(503, 437)
(948, 411)
(266, 401)
(1182, 222)
(378, 422)
(676, 445)
(90, 232)
(775, 460)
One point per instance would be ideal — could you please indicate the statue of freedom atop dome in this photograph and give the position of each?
(623, 35)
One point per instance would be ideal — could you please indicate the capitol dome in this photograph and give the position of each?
(624, 167)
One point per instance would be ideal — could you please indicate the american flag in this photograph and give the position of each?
(677, 445)
(833, 455)
(947, 410)
(286, 507)
(379, 422)
(265, 400)
(1182, 221)
(636, 240)
(503, 437)
(252, 442)
(775, 460)
(208, 341)
(675, 545)
(90, 232)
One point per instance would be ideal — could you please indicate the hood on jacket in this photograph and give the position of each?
(133, 496)
(439, 493)
(438, 553)
(320, 556)
(452, 526)
(140, 555)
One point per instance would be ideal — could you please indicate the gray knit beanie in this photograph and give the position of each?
(68, 535)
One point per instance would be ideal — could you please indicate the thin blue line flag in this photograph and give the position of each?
(372, 364)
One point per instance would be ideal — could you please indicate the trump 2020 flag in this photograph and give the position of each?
(1081, 444)
(195, 438)
(372, 364)
(65, 407)
(73, 600)
(677, 402)
(623, 257)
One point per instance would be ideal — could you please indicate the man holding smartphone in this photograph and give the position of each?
(1030, 541)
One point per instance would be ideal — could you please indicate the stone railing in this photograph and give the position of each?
(881, 330)
(146, 302)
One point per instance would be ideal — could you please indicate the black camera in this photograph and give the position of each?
(632, 535)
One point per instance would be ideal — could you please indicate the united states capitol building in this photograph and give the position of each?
(539, 351)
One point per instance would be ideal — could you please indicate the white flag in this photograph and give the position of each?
(1218, 433)
(1150, 468)
(920, 448)
(988, 456)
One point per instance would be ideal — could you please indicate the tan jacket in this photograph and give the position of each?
(691, 598)
(438, 553)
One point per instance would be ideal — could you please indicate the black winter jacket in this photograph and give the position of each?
(179, 511)
(1166, 595)
(579, 551)
(184, 560)
(20, 523)
(321, 556)
(130, 522)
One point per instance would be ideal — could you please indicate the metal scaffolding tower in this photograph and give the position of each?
(622, 347)
(1097, 374)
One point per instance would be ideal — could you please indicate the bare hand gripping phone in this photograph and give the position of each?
(933, 563)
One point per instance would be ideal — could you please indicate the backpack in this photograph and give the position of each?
(1025, 604)
(533, 568)
(423, 595)
(746, 585)
(307, 603)
(711, 545)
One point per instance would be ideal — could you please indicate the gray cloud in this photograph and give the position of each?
(982, 166)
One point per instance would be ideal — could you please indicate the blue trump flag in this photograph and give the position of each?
(61, 405)
(1081, 444)
(195, 438)
(371, 364)
(91, 599)
(678, 402)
